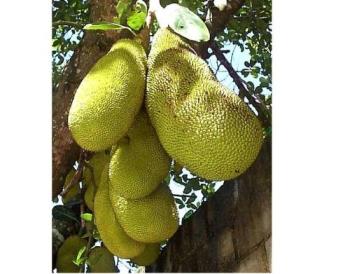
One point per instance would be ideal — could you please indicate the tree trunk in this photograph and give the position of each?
(229, 233)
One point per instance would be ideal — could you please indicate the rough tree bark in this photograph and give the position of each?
(231, 232)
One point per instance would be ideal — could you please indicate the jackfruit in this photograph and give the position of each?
(101, 261)
(111, 233)
(140, 163)
(151, 219)
(148, 256)
(97, 163)
(109, 97)
(73, 191)
(68, 252)
(200, 123)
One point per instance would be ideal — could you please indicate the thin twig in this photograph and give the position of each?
(67, 23)
(183, 195)
(77, 176)
(243, 91)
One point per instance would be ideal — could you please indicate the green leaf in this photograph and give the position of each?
(86, 217)
(192, 198)
(122, 8)
(179, 201)
(79, 259)
(188, 214)
(192, 206)
(136, 20)
(181, 206)
(258, 90)
(186, 23)
(103, 26)
(187, 189)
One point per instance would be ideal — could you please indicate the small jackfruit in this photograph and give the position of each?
(73, 191)
(109, 97)
(97, 163)
(68, 252)
(101, 261)
(200, 123)
(140, 163)
(111, 233)
(148, 256)
(150, 219)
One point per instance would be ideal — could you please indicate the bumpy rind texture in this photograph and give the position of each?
(148, 256)
(151, 219)
(111, 232)
(73, 191)
(101, 261)
(140, 163)
(200, 123)
(109, 97)
(67, 253)
(97, 163)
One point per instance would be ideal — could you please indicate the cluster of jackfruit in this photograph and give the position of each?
(187, 116)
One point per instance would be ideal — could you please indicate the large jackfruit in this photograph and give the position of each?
(200, 123)
(68, 252)
(97, 163)
(139, 163)
(148, 256)
(151, 219)
(109, 97)
(101, 261)
(111, 233)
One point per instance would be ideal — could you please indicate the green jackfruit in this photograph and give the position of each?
(97, 163)
(73, 191)
(201, 124)
(101, 261)
(109, 97)
(140, 163)
(111, 233)
(68, 252)
(148, 256)
(151, 219)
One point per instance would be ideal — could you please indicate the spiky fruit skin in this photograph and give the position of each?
(97, 163)
(109, 97)
(73, 191)
(140, 163)
(111, 232)
(200, 123)
(151, 219)
(101, 261)
(68, 252)
(148, 256)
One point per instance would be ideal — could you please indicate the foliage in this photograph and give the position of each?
(65, 37)
(250, 30)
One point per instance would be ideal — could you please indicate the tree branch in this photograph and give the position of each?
(67, 23)
(243, 92)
